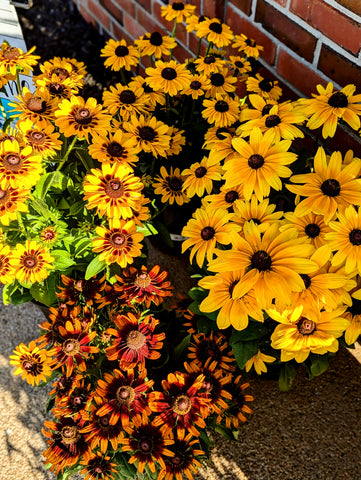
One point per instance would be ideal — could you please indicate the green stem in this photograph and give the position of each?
(210, 45)
(18, 82)
(199, 47)
(159, 212)
(70, 148)
(174, 28)
(21, 225)
(123, 77)
(151, 60)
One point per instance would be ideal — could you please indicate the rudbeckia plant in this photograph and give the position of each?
(205, 154)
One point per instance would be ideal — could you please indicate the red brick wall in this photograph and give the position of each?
(305, 41)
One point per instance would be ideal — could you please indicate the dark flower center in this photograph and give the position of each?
(266, 109)
(209, 59)
(221, 106)
(98, 469)
(355, 236)
(83, 116)
(175, 183)
(182, 405)
(169, 73)
(135, 340)
(177, 459)
(37, 137)
(355, 308)
(215, 27)
(200, 172)
(208, 233)
(338, 100)
(255, 161)
(143, 280)
(231, 197)
(114, 188)
(71, 347)
(28, 366)
(69, 435)
(117, 239)
(220, 131)
(266, 85)
(56, 89)
(306, 280)
(195, 85)
(61, 73)
(261, 260)
(146, 445)
(78, 401)
(331, 187)
(156, 39)
(147, 133)
(104, 421)
(256, 221)
(125, 395)
(36, 104)
(12, 161)
(30, 261)
(11, 53)
(306, 326)
(272, 121)
(312, 230)
(178, 6)
(217, 79)
(115, 149)
(127, 96)
(250, 43)
(239, 64)
(121, 51)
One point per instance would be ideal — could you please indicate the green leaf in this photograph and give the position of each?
(147, 229)
(243, 351)
(164, 234)
(50, 404)
(8, 291)
(179, 349)
(127, 469)
(253, 331)
(62, 259)
(77, 207)
(319, 365)
(198, 294)
(81, 246)
(287, 375)
(41, 208)
(206, 325)
(94, 267)
(19, 298)
(225, 432)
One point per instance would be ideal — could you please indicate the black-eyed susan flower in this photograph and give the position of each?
(57, 90)
(6, 270)
(214, 346)
(38, 107)
(49, 235)
(353, 315)
(144, 286)
(155, 44)
(170, 186)
(273, 263)
(113, 191)
(238, 405)
(262, 213)
(33, 363)
(221, 83)
(177, 141)
(61, 71)
(115, 147)
(135, 341)
(79, 290)
(178, 11)
(147, 445)
(215, 32)
(226, 198)
(82, 118)
(98, 466)
(12, 203)
(206, 229)
(329, 107)
(209, 64)
(260, 164)
(66, 444)
(329, 187)
(247, 46)
(125, 101)
(43, 141)
(199, 177)
(265, 87)
(120, 55)
(76, 403)
(311, 227)
(73, 351)
(149, 135)
(259, 361)
(124, 395)
(64, 385)
(240, 66)
(120, 243)
(197, 86)
(31, 262)
(180, 405)
(153, 97)
(13, 59)
(302, 331)
(232, 310)
(19, 167)
(169, 77)
(221, 111)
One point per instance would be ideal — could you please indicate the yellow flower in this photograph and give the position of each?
(353, 315)
(83, 118)
(177, 11)
(247, 46)
(120, 55)
(259, 361)
(6, 270)
(32, 363)
(221, 111)
(31, 262)
(126, 101)
(177, 140)
(13, 58)
(170, 186)
(197, 86)
(155, 44)
(12, 201)
(149, 135)
(38, 107)
(209, 64)
(215, 31)
(311, 227)
(200, 177)
(221, 83)
(226, 198)
(168, 77)
(116, 147)
(261, 213)
(265, 87)
(43, 141)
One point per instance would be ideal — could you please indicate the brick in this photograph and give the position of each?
(287, 93)
(87, 16)
(336, 26)
(128, 6)
(148, 23)
(339, 68)
(288, 32)
(132, 27)
(352, 5)
(145, 4)
(214, 9)
(181, 54)
(157, 14)
(244, 5)
(239, 25)
(113, 9)
(283, 3)
(344, 141)
(302, 8)
(101, 15)
(302, 77)
(119, 33)
(193, 44)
